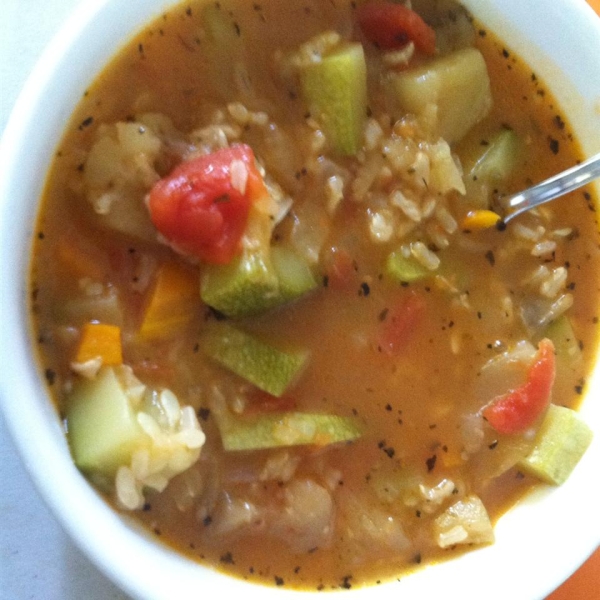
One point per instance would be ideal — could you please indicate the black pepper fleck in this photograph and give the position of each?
(50, 375)
(86, 123)
(346, 582)
(430, 462)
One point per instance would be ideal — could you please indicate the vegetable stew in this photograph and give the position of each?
(269, 303)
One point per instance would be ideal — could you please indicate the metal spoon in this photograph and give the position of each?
(508, 207)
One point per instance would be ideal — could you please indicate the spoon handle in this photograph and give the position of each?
(549, 189)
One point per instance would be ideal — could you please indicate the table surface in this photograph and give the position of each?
(37, 559)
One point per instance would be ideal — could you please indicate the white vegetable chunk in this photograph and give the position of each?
(457, 85)
(465, 522)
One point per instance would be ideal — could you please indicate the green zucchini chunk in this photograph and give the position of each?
(560, 443)
(263, 365)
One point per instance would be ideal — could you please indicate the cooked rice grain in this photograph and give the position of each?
(554, 282)
(424, 256)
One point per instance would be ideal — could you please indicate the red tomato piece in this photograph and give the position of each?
(520, 408)
(392, 26)
(401, 322)
(202, 206)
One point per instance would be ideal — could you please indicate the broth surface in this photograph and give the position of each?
(340, 515)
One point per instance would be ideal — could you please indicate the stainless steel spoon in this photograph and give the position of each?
(508, 207)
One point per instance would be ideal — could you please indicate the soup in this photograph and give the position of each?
(272, 301)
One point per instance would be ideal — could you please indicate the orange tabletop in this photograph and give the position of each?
(595, 4)
(585, 583)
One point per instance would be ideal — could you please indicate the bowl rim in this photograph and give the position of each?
(95, 528)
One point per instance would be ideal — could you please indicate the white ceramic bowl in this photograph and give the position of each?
(539, 543)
